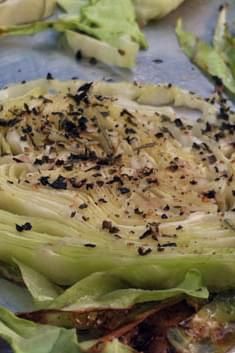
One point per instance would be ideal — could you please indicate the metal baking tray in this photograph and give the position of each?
(27, 58)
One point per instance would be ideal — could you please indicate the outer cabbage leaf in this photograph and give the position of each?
(205, 56)
(223, 41)
(23, 11)
(42, 290)
(28, 337)
(106, 292)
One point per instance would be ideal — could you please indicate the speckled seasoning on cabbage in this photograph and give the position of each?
(117, 213)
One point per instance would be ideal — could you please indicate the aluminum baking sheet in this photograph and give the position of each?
(28, 58)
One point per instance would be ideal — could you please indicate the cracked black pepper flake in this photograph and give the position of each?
(147, 233)
(178, 123)
(170, 244)
(193, 182)
(83, 206)
(49, 76)
(173, 168)
(24, 227)
(144, 251)
(59, 184)
(82, 92)
(89, 245)
(78, 55)
(164, 216)
(17, 160)
(9, 122)
(179, 227)
(138, 211)
(93, 61)
(210, 194)
(100, 183)
(116, 179)
(212, 159)
(44, 159)
(159, 135)
(196, 146)
(157, 61)
(129, 130)
(124, 190)
(82, 123)
(44, 180)
(73, 214)
(77, 184)
(107, 225)
(102, 200)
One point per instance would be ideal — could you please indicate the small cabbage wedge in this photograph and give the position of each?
(145, 10)
(113, 202)
(14, 12)
(152, 9)
(216, 59)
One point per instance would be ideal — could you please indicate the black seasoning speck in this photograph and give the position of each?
(210, 194)
(88, 245)
(59, 184)
(193, 182)
(178, 123)
(147, 233)
(158, 61)
(83, 206)
(143, 251)
(124, 190)
(78, 55)
(49, 76)
(164, 216)
(179, 227)
(159, 135)
(24, 227)
(44, 180)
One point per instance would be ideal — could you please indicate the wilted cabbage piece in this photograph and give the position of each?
(217, 58)
(210, 330)
(14, 12)
(113, 202)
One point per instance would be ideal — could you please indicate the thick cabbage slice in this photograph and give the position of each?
(14, 12)
(112, 199)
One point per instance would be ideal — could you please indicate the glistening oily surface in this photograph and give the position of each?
(30, 58)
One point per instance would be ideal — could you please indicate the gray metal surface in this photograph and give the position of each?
(33, 57)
